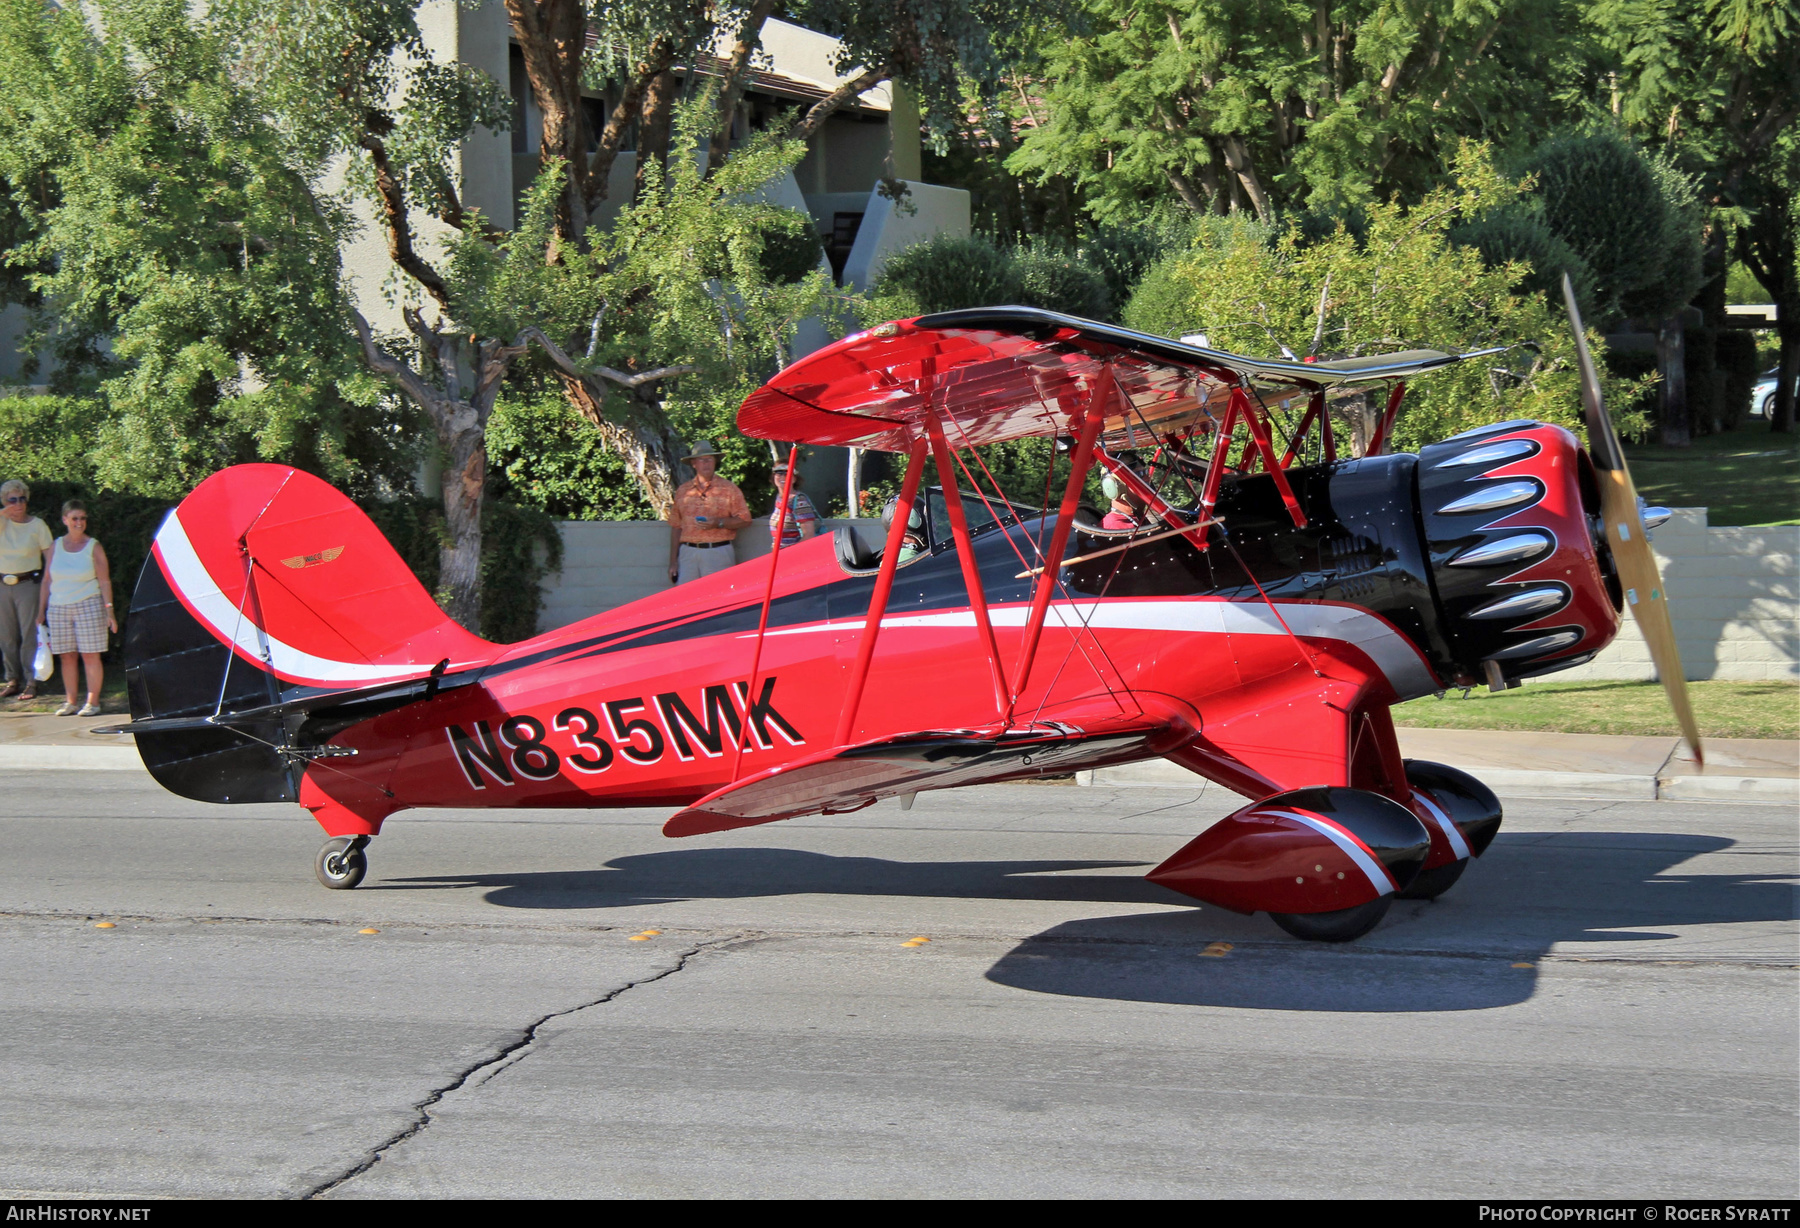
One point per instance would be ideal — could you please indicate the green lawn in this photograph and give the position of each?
(1746, 476)
(1724, 709)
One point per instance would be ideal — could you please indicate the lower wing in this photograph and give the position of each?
(850, 777)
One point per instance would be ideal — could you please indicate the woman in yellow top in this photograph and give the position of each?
(77, 596)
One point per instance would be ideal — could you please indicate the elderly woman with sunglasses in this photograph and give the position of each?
(78, 599)
(24, 554)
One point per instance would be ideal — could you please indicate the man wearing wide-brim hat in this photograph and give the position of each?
(705, 519)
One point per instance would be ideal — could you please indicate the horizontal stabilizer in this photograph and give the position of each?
(852, 777)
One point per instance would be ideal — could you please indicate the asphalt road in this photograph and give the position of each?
(1606, 1005)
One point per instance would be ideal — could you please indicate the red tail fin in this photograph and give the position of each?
(295, 579)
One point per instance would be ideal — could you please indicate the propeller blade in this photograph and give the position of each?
(1624, 528)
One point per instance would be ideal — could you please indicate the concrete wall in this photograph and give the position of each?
(607, 563)
(1734, 592)
(892, 226)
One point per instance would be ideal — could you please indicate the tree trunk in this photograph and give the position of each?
(463, 442)
(1781, 422)
(737, 74)
(654, 119)
(647, 444)
(552, 37)
(1671, 364)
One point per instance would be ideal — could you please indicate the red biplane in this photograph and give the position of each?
(1256, 632)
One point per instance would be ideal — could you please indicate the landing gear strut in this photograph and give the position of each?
(342, 862)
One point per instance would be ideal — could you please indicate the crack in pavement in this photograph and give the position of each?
(508, 1056)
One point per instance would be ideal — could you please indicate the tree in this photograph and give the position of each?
(352, 83)
(1251, 105)
(1719, 96)
(184, 273)
(1770, 247)
(660, 326)
(1403, 285)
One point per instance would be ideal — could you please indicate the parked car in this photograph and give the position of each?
(1762, 398)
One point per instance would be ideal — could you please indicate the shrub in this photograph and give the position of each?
(1407, 285)
(1123, 254)
(1634, 369)
(1520, 234)
(1632, 218)
(791, 249)
(946, 273)
(1057, 280)
(1168, 299)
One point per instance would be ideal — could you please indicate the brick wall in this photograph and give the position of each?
(1734, 592)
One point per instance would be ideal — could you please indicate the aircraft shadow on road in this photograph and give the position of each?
(1530, 892)
(743, 873)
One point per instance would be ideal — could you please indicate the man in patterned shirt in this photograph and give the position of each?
(703, 524)
(801, 521)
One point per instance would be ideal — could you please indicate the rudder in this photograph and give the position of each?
(265, 587)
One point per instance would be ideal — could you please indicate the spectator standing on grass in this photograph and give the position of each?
(704, 521)
(77, 595)
(801, 521)
(24, 553)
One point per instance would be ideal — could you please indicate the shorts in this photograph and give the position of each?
(78, 628)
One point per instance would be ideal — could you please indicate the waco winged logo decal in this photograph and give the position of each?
(313, 560)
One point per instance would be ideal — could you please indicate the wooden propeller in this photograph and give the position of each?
(1624, 527)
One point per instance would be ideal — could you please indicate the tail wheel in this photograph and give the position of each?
(342, 863)
(1341, 926)
(1430, 884)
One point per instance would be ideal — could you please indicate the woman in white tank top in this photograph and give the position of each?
(77, 599)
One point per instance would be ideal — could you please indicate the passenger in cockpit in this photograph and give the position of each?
(1127, 510)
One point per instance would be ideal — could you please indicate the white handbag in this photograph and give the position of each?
(44, 664)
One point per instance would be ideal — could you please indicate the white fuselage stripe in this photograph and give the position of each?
(1379, 878)
(1458, 845)
(222, 617)
(1391, 651)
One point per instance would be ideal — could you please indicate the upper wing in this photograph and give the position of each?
(851, 777)
(998, 373)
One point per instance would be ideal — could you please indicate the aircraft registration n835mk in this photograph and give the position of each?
(1255, 630)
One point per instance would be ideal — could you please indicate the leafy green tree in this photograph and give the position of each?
(1405, 285)
(660, 326)
(1248, 104)
(1715, 87)
(184, 272)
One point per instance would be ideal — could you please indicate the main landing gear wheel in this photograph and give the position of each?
(1430, 884)
(342, 862)
(1343, 925)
